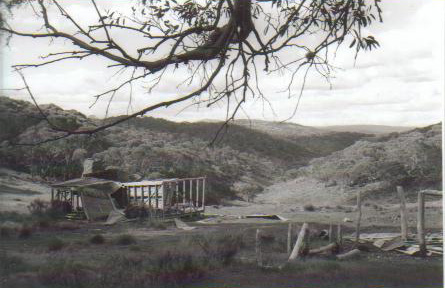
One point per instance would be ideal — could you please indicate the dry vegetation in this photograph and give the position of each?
(221, 255)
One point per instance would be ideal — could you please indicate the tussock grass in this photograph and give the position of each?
(55, 244)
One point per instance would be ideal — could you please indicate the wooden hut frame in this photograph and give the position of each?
(170, 196)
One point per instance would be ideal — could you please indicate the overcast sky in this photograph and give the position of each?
(402, 83)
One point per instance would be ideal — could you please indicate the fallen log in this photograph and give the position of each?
(330, 247)
(349, 255)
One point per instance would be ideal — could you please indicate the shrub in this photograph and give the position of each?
(221, 248)
(97, 239)
(309, 207)
(6, 232)
(175, 267)
(38, 207)
(55, 244)
(25, 232)
(125, 239)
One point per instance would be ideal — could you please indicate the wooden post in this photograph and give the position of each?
(191, 194)
(177, 196)
(359, 217)
(289, 238)
(259, 258)
(149, 196)
(157, 199)
(421, 223)
(403, 220)
(331, 233)
(203, 193)
(296, 252)
(339, 235)
(197, 194)
(52, 194)
(183, 195)
(143, 195)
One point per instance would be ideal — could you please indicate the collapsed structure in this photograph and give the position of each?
(98, 199)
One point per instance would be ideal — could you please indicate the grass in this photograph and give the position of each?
(216, 258)
(11, 264)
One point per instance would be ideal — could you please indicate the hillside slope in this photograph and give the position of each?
(373, 166)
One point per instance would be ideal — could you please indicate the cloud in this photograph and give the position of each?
(399, 84)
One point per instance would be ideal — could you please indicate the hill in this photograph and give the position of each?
(240, 163)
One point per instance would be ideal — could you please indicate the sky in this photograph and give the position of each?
(400, 84)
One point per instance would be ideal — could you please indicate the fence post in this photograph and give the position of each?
(299, 243)
(289, 238)
(259, 258)
(359, 217)
(403, 220)
(421, 223)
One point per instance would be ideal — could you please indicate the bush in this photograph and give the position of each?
(38, 207)
(221, 248)
(55, 244)
(125, 239)
(97, 239)
(309, 207)
(6, 232)
(25, 232)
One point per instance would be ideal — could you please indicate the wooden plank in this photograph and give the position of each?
(359, 217)
(421, 223)
(403, 215)
(296, 252)
(432, 193)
